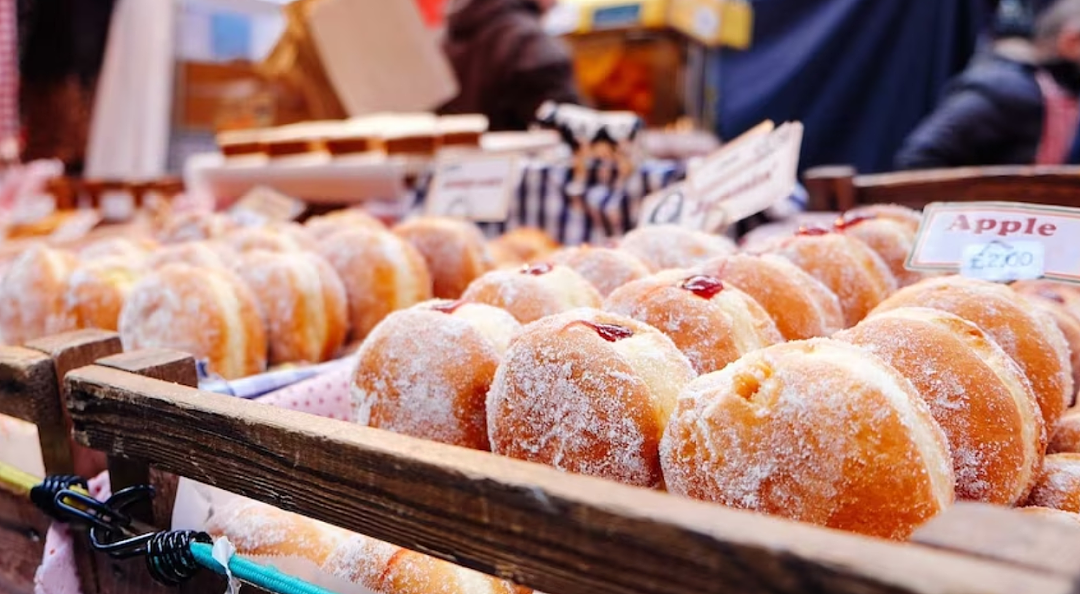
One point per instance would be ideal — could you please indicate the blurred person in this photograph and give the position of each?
(506, 64)
(1015, 105)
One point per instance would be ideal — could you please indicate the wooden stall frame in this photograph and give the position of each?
(545, 529)
(839, 188)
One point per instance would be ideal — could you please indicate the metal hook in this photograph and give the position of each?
(109, 519)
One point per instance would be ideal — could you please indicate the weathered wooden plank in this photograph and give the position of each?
(545, 529)
(29, 390)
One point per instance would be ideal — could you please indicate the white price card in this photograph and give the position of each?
(997, 240)
(262, 205)
(475, 186)
(1001, 261)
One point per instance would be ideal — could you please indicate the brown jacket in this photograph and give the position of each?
(505, 63)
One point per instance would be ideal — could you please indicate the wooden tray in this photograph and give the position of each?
(556, 532)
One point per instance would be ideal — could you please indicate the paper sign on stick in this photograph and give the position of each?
(473, 186)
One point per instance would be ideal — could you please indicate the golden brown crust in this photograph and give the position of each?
(892, 240)
(1063, 304)
(1028, 335)
(1058, 485)
(662, 247)
(847, 266)
(762, 435)
(282, 238)
(381, 273)
(908, 217)
(569, 398)
(529, 297)
(257, 529)
(31, 292)
(325, 226)
(525, 244)
(195, 253)
(455, 252)
(711, 330)
(976, 392)
(800, 305)
(93, 295)
(1065, 437)
(607, 269)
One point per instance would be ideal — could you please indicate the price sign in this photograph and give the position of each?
(262, 205)
(999, 241)
(1001, 261)
(473, 186)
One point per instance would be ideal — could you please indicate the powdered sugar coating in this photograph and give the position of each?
(976, 392)
(529, 297)
(195, 253)
(31, 292)
(258, 529)
(662, 247)
(566, 397)
(208, 312)
(279, 237)
(711, 332)
(381, 273)
(426, 373)
(302, 302)
(607, 269)
(1062, 303)
(118, 247)
(1027, 334)
(524, 245)
(1065, 437)
(847, 266)
(817, 431)
(1058, 486)
(800, 305)
(908, 217)
(362, 560)
(892, 240)
(455, 251)
(94, 293)
(323, 227)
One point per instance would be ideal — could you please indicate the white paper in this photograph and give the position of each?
(1001, 261)
(223, 552)
(475, 187)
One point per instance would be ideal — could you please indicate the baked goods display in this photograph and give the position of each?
(425, 371)
(208, 312)
(889, 238)
(818, 431)
(1058, 485)
(606, 268)
(533, 291)
(668, 246)
(32, 293)
(712, 324)
(93, 294)
(522, 246)
(455, 252)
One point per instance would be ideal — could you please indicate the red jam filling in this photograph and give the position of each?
(705, 287)
(448, 307)
(537, 269)
(848, 222)
(813, 230)
(610, 332)
(1052, 296)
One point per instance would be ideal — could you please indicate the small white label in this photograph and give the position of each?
(262, 205)
(475, 187)
(1001, 261)
(706, 21)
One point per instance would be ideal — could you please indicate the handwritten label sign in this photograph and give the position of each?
(743, 178)
(473, 186)
(262, 205)
(999, 241)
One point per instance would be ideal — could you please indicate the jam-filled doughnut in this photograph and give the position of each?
(94, 293)
(908, 217)
(1026, 333)
(890, 239)
(282, 237)
(1062, 302)
(425, 371)
(302, 301)
(764, 434)
(381, 272)
(606, 268)
(711, 323)
(587, 392)
(1058, 485)
(533, 291)
(327, 225)
(31, 292)
(208, 312)
(455, 252)
(1065, 436)
(800, 305)
(668, 246)
(847, 266)
(976, 392)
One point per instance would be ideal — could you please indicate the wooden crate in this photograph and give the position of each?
(556, 532)
(839, 188)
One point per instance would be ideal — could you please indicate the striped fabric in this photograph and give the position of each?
(603, 212)
(9, 80)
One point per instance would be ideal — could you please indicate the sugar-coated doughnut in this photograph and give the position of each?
(712, 324)
(257, 529)
(1070, 329)
(426, 371)
(668, 246)
(195, 253)
(31, 292)
(1058, 484)
(132, 249)
(197, 227)
(908, 217)
(1026, 333)
(325, 226)
(533, 291)
(818, 431)
(890, 239)
(1062, 302)
(361, 560)
(589, 392)
(302, 302)
(1065, 436)
(208, 312)
(455, 252)
(281, 237)
(847, 266)
(527, 244)
(976, 392)
(1068, 518)
(606, 268)
(94, 293)
(800, 305)
(381, 272)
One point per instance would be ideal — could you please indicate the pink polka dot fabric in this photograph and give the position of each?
(57, 573)
(325, 395)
